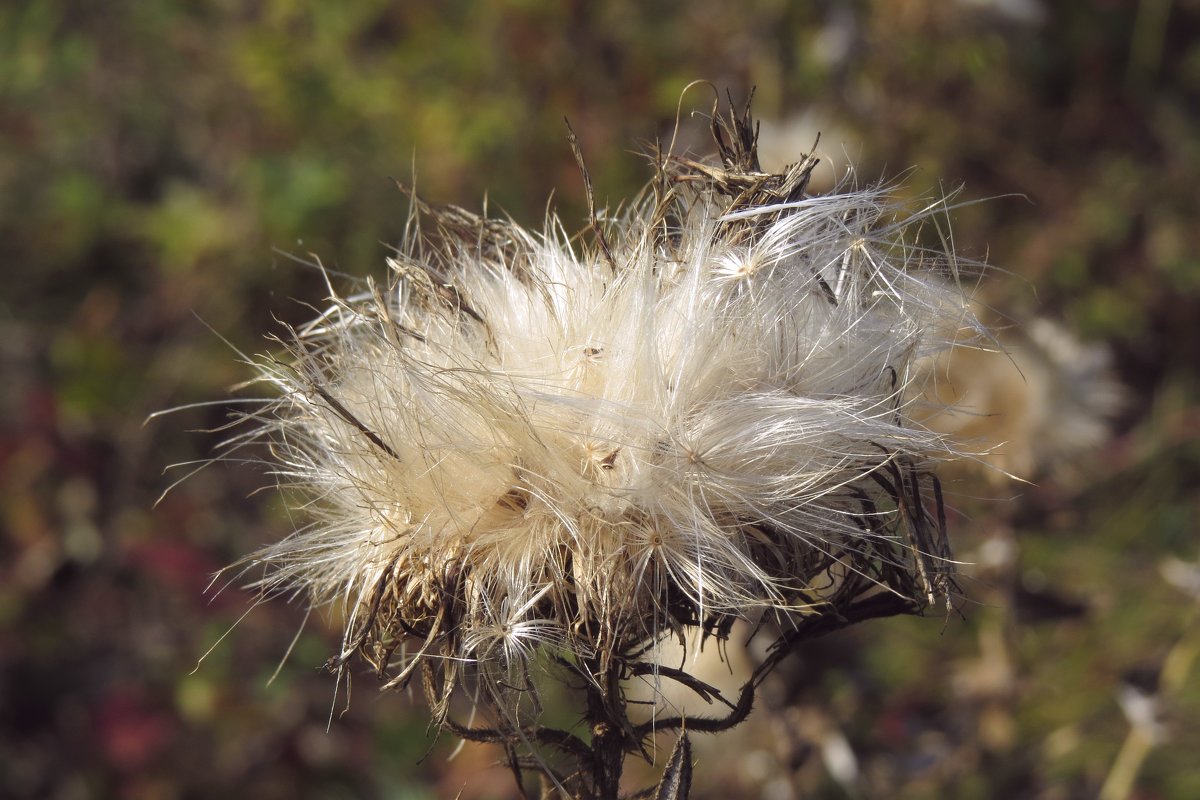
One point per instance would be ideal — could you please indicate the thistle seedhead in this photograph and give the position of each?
(527, 444)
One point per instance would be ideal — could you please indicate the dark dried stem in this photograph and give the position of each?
(593, 220)
(606, 716)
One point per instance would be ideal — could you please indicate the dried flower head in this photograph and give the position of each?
(1036, 407)
(526, 444)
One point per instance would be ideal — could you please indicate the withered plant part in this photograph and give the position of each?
(532, 458)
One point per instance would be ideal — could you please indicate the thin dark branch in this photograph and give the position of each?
(349, 418)
(573, 140)
(567, 742)
(883, 604)
(706, 692)
(876, 606)
(704, 724)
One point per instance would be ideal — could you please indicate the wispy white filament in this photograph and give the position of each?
(517, 445)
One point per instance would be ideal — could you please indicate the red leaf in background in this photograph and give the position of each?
(178, 565)
(129, 732)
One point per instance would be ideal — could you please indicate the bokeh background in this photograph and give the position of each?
(164, 166)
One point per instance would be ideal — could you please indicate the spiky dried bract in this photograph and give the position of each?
(525, 443)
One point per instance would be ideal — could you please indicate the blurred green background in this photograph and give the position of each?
(163, 164)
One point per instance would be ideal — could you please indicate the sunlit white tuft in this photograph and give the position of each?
(522, 442)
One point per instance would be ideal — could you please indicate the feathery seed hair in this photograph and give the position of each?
(528, 444)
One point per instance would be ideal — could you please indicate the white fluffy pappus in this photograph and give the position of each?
(523, 442)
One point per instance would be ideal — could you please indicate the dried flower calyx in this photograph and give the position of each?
(525, 443)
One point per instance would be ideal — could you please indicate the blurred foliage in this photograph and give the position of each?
(163, 163)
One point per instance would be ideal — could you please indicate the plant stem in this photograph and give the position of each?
(608, 735)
